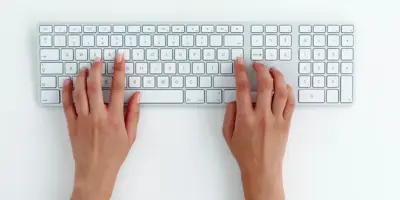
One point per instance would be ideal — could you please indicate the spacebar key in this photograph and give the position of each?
(151, 96)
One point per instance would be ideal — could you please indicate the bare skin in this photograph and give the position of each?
(101, 136)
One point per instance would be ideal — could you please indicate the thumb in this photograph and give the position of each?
(229, 122)
(132, 116)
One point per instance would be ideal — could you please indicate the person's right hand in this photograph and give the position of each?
(257, 135)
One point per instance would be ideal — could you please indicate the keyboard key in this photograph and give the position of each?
(50, 96)
(173, 40)
(271, 40)
(180, 54)
(212, 68)
(222, 29)
(305, 29)
(198, 68)
(312, 96)
(346, 68)
(285, 54)
(237, 29)
(304, 68)
(333, 40)
(75, 29)
(230, 96)
(201, 40)
(271, 54)
(285, 40)
(347, 29)
(257, 40)
(194, 54)
(214, 96)
(205, 81)
(332, 81)
(236, 53)
(155, 68)
(134, 29)
(169, 68)
(149, 29)
(163, 29)
(333, 54)
(67, 54)
(178, 29)
(104, 29)
(119, 29)
(45, 41)
(207, 28)
(187, 40)
(347, 40)
(318, 68)
(60, 29)
(152, 54)
(49, 54)
(305, 40)
(95, 53)
(163, 81)
(346, 89)
(224, 81)
(102, 40)
(191, 81)
(347, 54)
(151, 96)
(256, 54)
(48, 82)
(71, 68)
(109, 54)
(319, 54)
(271, 29)
(319, 40)
(88, 40)
(184, 68)
(318, 81)
(257, 29)
(177, 82)
(216, 40)
(89, 29)
(141, 68)
(134, 82)
(223, 54)
(226, 68)
(305, 54)
(194, 96)
(208, 54)
(148, 82)
(125, 53)
(332, 96)
(233, 40)
(332, 68)
(304, 81)
(193, 28)
(319, 29)
(333, 29)
(81, 54)
(116, 40)
(45, 29)
(145, 40)
(285, 28)
(137, 54)
(74, 40)
(166, 54)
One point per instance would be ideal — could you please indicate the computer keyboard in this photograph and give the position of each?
(192, 63)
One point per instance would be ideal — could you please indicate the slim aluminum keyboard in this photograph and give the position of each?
(192, 63)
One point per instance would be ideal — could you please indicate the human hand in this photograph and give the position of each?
(101, 136)
(257, 135)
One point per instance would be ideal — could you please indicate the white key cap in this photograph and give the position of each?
(319, 29)
(194, 96)
(184, 68)
(346, 89)
(304, 81)
(347, 29)
(332, 68)
(212, 68)
(89, 29)
(332, 96)
(134, 29)
(95, 53)
(129, 68)
(148, 81)
(60, 29)
(61, 80)
(74, 41)
(169, 68)
(201, 40)
(222, 28)
(50, 96)
(347, 54)
(125, 53)
(271, 54)
(45, 29)
(214, 96)
(205, 81)
(130, 40)
(103, 68)
(177, 82)
(257, 40)
(81, 54)
(233, 40)
(305, 54)
(216, 40)
(145, 40)
(311, 96)
(346, 68)
(166, 54)
(194, 54)
(318, 81)
(237, 53)
(119, 29)
(75, 29)
(333, 54)
(285, 40)
(224, 81)
(237, 29)
(305, 40)
(88, 40)
(230, 96)
(226, 68)
(285, 54)
(198, 68)
(319, 54)
(116, 40)
(152, 54)
(332, 81)
(149, 29)
(305, 29)
(223, 54)
(104, 29)
(141, 68)
(159, 40)
(208, 54)
(151, 96)
(134, 82)
(191, 81)
(178, 29)
(257, 29)
(319, 40)
(49, 54)
(271, 29)
(347, 40)
(187, 40)
(256, 54)
(333, 29)
(48, 82)
(155, 68)
(163, 81)
(173, 40)
(207, 29)
(45, 41)
(137, 54)
(71, 68)
(193, 28)
(109, 54)
(102, 40)
(51, 68)
(285, 28)
(304, 68)
(333, 40)
(318, 68)
(271, 40)
(180, 54)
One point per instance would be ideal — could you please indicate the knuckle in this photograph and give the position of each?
(243, 85)
(281, 93)
(92, 87)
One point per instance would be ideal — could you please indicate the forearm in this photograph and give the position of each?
(263, 187)
(93, 188)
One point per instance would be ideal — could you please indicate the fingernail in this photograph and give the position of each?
(240, 60)
(273, 69)
(138, 98)
(66, 82)
(98, 59)
(119, 58)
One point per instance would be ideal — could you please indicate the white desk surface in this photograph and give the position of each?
(333, 153)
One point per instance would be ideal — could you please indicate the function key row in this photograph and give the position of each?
(142, 29)
(323, 29)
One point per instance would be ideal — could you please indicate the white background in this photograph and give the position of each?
(333, 153)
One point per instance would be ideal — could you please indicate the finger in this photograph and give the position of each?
(81, 99)
(290, 104)
(118, 85)
(95, 94)
(280, 92)
(229, 122)
(68, 102)
(264, 88)
(132, 116)
(243, 98)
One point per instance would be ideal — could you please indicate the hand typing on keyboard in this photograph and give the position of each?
(257, 134)
(100, 135)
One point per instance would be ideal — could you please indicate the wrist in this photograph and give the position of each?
(265, 186)
(92, 185)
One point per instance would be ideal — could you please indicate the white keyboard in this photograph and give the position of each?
(192, 63)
